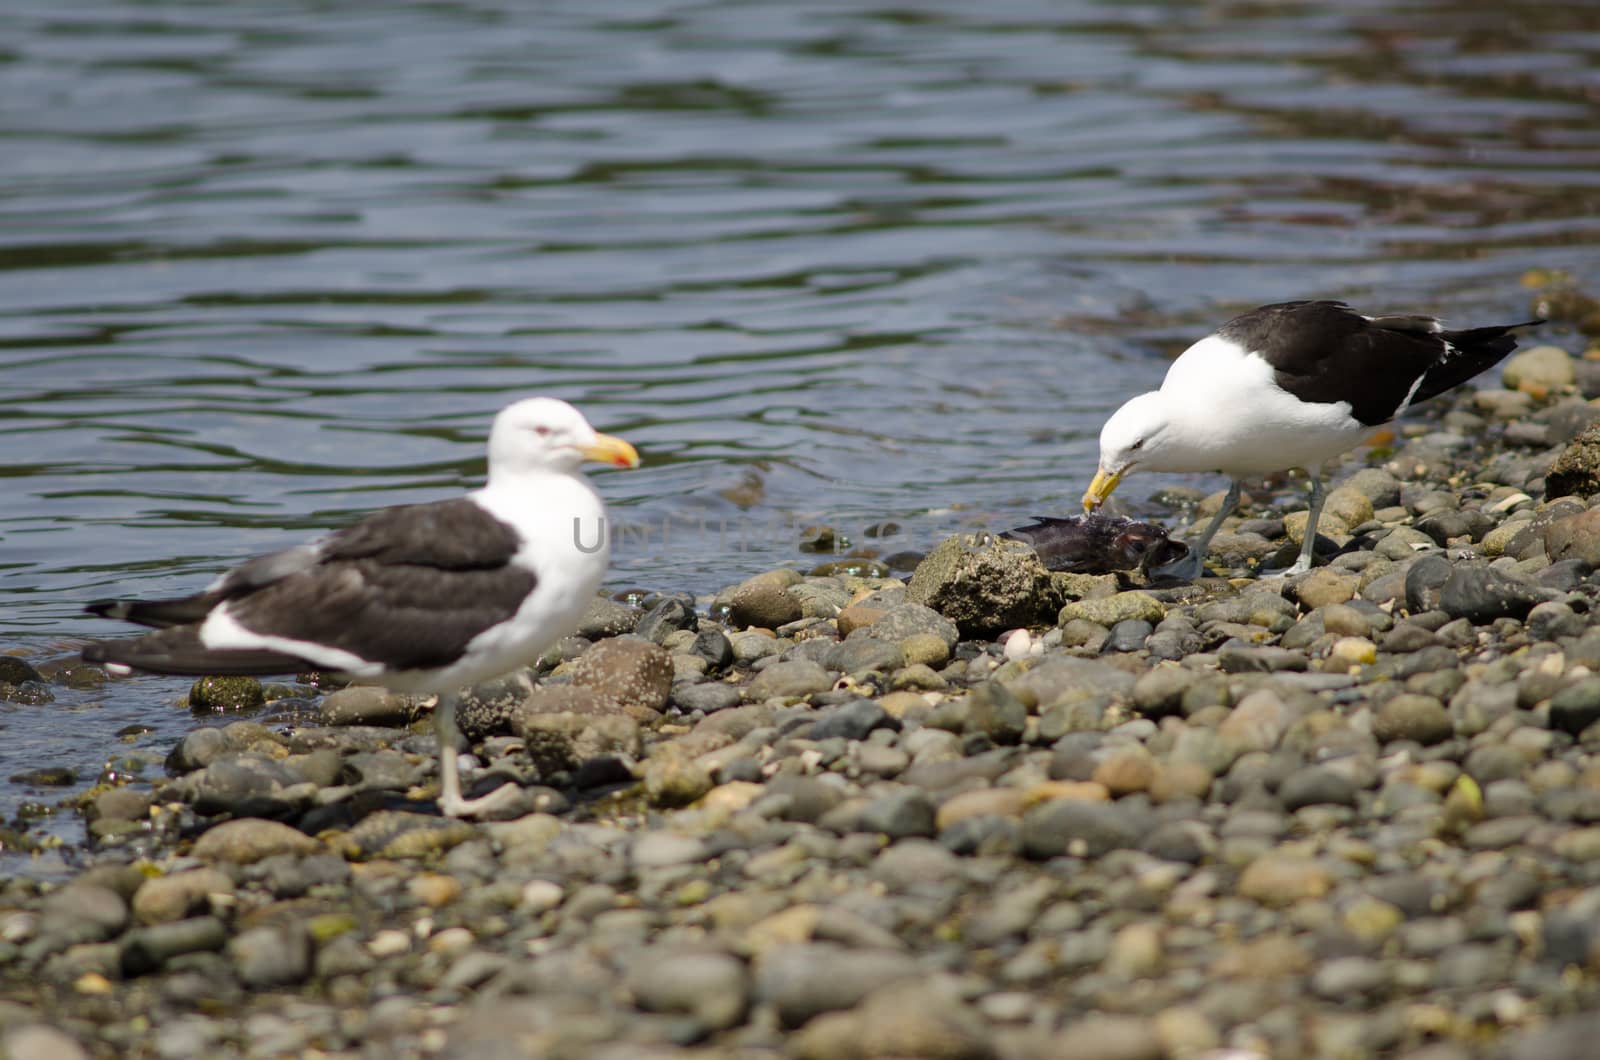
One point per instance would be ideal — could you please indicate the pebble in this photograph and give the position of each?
(250, 840)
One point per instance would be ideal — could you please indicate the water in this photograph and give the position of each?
(266, 266)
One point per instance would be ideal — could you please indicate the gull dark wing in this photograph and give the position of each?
(445, 535)
(404, 616)
(1325, 352)
(178, 651)
(407, 587)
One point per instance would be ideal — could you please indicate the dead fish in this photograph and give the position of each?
(1096, 543)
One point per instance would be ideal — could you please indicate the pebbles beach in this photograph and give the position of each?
(983, 811)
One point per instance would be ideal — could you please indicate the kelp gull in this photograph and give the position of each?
(1287, 385)
(419, 598)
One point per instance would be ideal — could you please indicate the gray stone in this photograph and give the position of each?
(803, 981)
(993, 710)
(1483, 594)
(198, 749)
(665, 618)
(852, 721)
(1377, 485)
(792, 679)
(1576, 707)
(1348, 979)
(901, 813)
(1556, 620)
(607, 618)
(1315, 786)
(711, 986)
(910, 619)
(249, 785)
(273, 955)
(146, 949)
(1082, 829)
(1425, 580)
(864, 653)
(707, 696)
(1259, 658)
(1128, 635)
(713, 646)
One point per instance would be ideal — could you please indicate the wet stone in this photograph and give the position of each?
(15, 671)
(365, 705)
(665, 618)
(853, 721)
(215, 694)
(198, 749)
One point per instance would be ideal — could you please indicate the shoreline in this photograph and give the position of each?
(1353, 813)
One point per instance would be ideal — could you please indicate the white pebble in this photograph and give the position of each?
(541, 896)
(1019, 644)
(389, 943)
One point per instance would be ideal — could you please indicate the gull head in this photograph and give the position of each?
(1134, 436)
(547, 434)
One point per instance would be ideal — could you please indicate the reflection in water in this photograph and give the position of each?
(267, 266)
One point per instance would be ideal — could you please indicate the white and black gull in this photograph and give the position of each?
(426, 598)
(1289, 385)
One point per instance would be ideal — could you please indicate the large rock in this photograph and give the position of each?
(1576, 472)
(985, 584)
(627, 671)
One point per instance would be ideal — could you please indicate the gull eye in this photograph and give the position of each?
(542, 431)
(1136, 446)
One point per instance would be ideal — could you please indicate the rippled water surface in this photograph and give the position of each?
(265, 266)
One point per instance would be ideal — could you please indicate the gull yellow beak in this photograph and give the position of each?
(609, 450)
(1100, 489)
